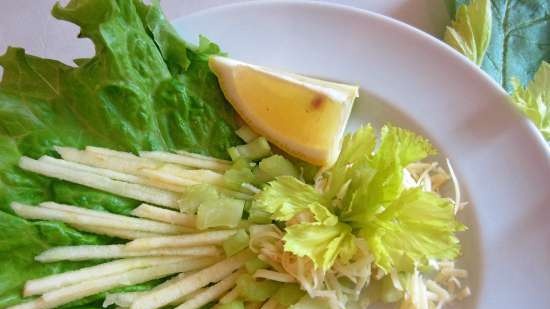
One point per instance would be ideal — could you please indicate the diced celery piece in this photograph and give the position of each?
(261, 176)
(239, 173)
(307, 302)
(373, 290)
(246, 134)
(257, 149)
(236, 194)
(346, 282)
(254, 264)
(236, 304)
(247, 205)
(234, 153)
(275, 166)
(388, 293)
(306, 171)
(289, 294)
(236, 243)
(195, 196)
(259, 216)
(253, 290)
(222, 212)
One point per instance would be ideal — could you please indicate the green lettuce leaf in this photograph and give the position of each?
(534, 100)
(22, 240)
(172, 48)
(470, 31)
(145, 89)
(414, 228)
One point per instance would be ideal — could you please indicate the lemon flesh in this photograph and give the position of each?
(303, 116)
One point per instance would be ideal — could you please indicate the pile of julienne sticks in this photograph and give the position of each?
(163, 242)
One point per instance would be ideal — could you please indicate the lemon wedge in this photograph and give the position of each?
(303, 116)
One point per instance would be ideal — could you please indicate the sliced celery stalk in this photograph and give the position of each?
(254, 264)
(259, 216)
(246, 134)
(307, 171)
(275, 166)
(388, 293)
(307, 302)
(239, 173)
(289, 294)
(222, 212)
(253, 290)
(373, 290)
(195, 196)
(257, 149)
(236, 243)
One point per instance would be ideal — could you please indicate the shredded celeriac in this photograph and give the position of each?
(420, 292)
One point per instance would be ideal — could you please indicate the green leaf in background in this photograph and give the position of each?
(534, 100)
(520, 40)
(145, 89)
(470, 31)
(518, 47)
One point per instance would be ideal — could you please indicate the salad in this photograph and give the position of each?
(156, 174)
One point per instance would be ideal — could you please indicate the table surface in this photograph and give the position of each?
(28, 23)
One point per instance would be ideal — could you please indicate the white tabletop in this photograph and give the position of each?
(28, 23)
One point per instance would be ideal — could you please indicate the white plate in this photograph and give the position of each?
(413, 80)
